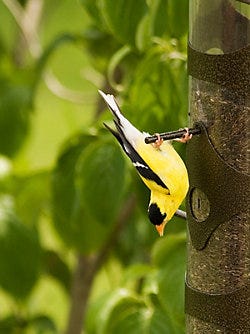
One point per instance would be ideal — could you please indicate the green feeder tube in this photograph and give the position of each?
(217, 279)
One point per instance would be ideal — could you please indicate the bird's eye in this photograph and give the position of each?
(155, 215)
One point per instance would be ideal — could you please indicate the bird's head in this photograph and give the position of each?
(158, 218)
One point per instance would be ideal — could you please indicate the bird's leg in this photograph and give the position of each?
(185, 138)
(158, 142)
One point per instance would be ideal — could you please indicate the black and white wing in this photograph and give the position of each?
(127, 135)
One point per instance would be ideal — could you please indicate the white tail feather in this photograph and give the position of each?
(110, 100)
(131, 133)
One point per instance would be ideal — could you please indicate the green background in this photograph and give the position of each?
(67, 192)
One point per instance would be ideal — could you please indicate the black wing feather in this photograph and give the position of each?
(142, 167)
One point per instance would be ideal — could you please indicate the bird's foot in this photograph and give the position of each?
(158, 142)
(185, 138)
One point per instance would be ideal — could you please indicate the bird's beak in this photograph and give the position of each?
(160, 228)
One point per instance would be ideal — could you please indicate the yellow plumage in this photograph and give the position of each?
(168, 165)
(161, 168)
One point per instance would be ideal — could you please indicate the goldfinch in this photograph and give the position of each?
(158, 164)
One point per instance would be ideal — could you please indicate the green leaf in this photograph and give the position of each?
(114, 63)
(57, 268)
(166, 248)
(136, 239)
(168, 18)
(105, 309)
(159, 322)
(169, 254)
(158, 17)
(20, 253)
(143, 34)
(63, 180)
(5, 174)
(155, 93)
(85, 192)
(101, 47)
(142, 192)
(102, 177)
(94, 315)
(15, 108)
(163, 18)
(39, 324)
(125, 317)
(136, 272)
(123, 17)
(177, 17)
(92, 8)
(42, 324)
(124, 312)
(25, 190)
(69, 217)
(12, 324)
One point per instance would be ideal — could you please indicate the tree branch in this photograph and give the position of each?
(86, 269)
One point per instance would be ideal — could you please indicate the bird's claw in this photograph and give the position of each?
(186, 137)
(158, 141)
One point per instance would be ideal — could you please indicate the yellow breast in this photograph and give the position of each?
(168, 165)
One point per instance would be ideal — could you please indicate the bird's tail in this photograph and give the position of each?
(124, 127)
(130, 138)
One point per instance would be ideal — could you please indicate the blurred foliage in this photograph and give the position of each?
(76, 202)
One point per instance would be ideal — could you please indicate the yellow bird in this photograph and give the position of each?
(158, 164)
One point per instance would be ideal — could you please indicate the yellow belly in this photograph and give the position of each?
(168, 165)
